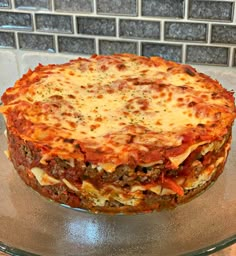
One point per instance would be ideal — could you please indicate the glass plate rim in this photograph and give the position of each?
(213, 247)
(204, 251)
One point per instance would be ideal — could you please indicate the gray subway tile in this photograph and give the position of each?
(13, 20)
(96, 26)
(107, 47)
(163, 8)
(81, 6)
(54, 23)
(186, 31)
(7, 39)
(139, 29)
(76, 45)
(121, 7)
(166, 51)
(36, 42)
(211, 10)
(5, 4)
(35, 5)
(225, 34)
(197, 54)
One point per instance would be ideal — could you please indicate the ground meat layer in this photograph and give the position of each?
(26, 156)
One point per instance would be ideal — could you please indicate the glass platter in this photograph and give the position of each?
(31, 224)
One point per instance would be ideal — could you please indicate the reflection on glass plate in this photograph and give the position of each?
(31, 223)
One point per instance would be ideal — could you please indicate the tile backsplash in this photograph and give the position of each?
(187, 31)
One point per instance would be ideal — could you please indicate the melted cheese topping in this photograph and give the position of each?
(109, 109)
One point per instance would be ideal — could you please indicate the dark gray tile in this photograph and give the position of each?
(35, 5)
(139, 28)
(96, 26)
(207, 55)
(82, 6)
(54, 23)
(186, 31)
(225, 34)
(76, 45)
(13, 20)
(107, 47)
(163, 8)
(5, 4)
(212, 10)
(121, 7)
(166, 51)
(7, 39)
(36, 42)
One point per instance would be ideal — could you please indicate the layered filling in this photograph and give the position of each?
(98, 186)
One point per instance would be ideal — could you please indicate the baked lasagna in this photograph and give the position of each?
(118, 134)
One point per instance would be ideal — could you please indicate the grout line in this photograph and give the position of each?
(52, 6)
(94, 7)
(75, 27)
(139, 6)
(162, 31)
(234, 13)
(13, 4)
(184, 51)
(139, 49)
(17, 40)
(117, 27)
(55, 39)
(209, 45)
(33, 22)
(96, 45)
(186, 9)
(209, 32)
(231, 56)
